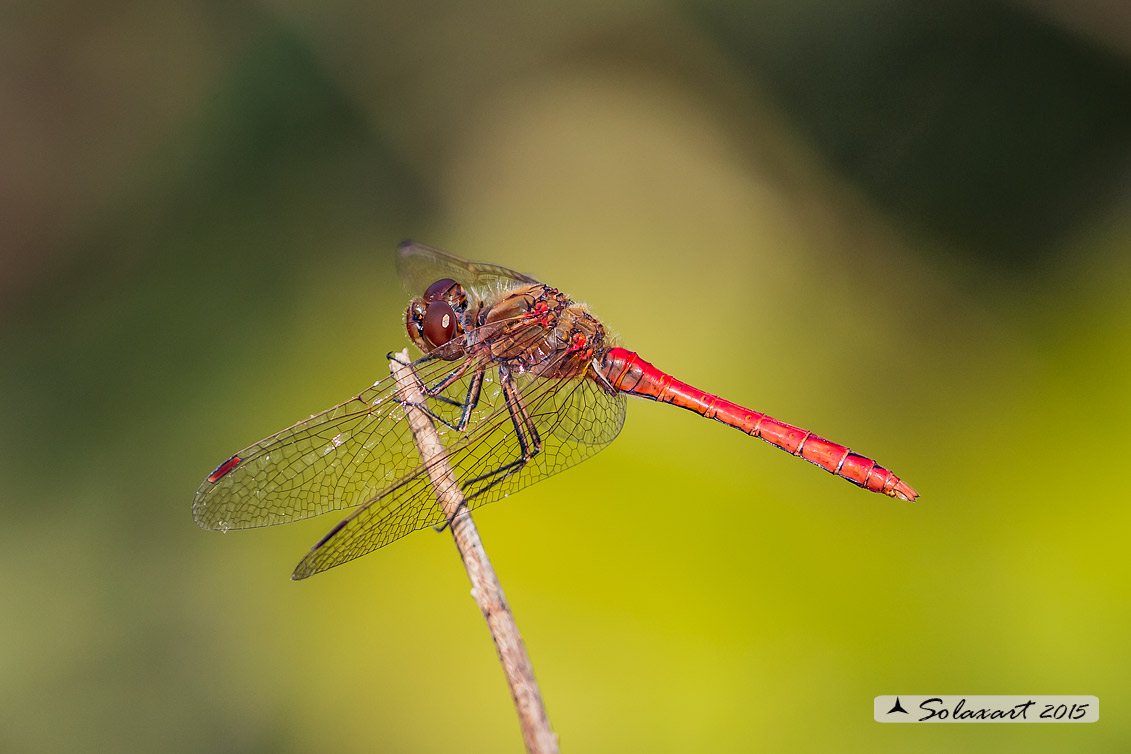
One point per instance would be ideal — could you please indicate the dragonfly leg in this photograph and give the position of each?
(467, 405)
(529, 444)
(529, 441)
(434, 391)
(396, 356)
(391, 356)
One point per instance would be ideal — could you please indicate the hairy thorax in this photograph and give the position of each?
(538, 329)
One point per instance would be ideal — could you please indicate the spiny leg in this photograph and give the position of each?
(470, 399)
(529, 442)
(434, 391)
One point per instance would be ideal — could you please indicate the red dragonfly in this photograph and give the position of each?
(522, 382)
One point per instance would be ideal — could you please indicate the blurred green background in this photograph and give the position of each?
(904, 226)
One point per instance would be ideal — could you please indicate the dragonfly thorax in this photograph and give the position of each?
(538, 329)
(530, 329)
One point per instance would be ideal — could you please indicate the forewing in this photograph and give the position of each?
(337, 459)
(419, 266)
(575, 419)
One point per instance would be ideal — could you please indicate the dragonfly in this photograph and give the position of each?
(521, 382)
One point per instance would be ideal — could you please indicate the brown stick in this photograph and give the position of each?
(485, 587)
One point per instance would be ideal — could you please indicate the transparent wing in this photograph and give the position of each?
(346, 455)
(362, 454)
(337, 459)
(575, 419)
(419, 266)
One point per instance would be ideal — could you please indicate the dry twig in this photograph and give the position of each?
(485, 587)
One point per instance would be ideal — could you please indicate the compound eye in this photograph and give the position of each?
(439, 290)
(439, 322)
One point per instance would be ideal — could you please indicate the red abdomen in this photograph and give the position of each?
(629, 373)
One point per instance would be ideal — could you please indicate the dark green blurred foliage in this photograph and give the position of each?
(995, 129)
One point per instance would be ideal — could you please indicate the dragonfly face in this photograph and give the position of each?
(436, 320)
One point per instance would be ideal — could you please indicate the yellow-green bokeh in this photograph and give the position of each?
(206, 205)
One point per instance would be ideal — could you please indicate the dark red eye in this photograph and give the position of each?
(439, 322)
(439, 290)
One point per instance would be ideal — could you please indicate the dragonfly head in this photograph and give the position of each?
(436, 318)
